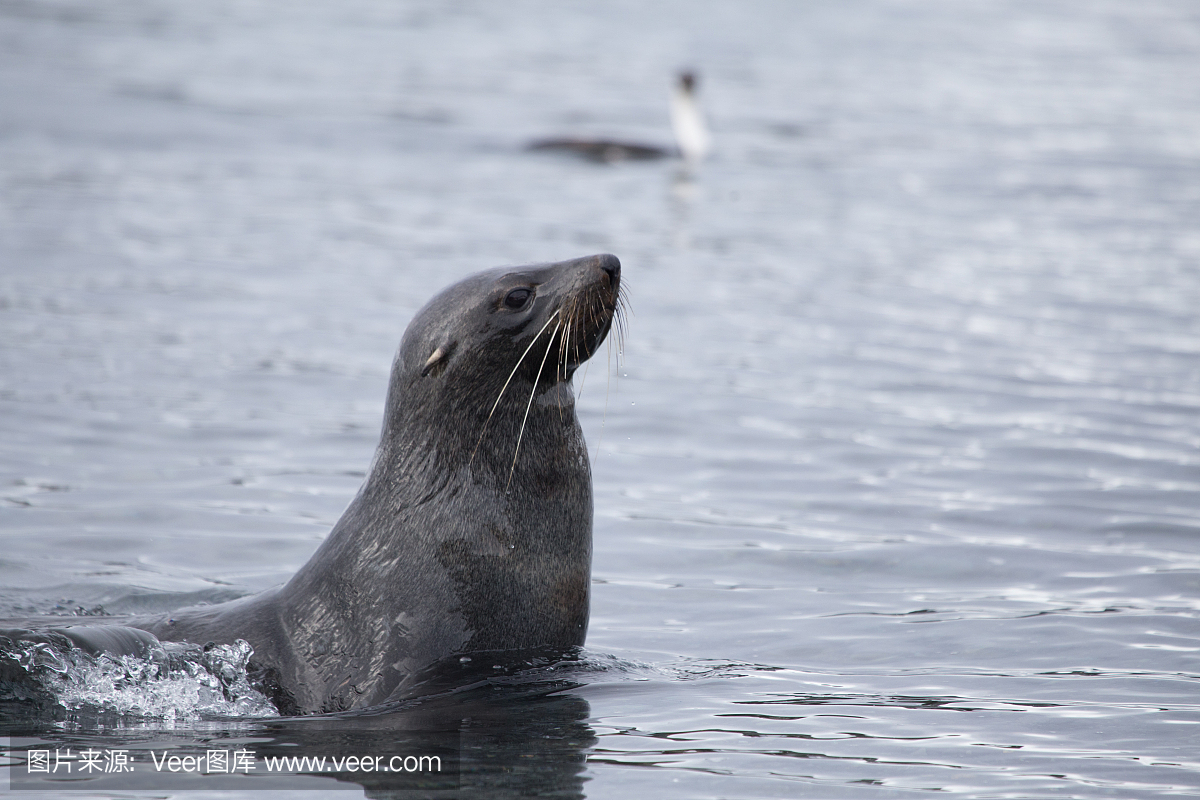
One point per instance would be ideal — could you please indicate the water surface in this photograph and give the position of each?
(896, 476)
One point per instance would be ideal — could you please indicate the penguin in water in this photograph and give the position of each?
(692, 141)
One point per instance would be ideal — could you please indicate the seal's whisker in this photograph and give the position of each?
(604, 414)
(617, 324)
(620, 317)
(577, 328)
(560, 368)
(564, 348)
(504, 388)
(587, 315)
(583, 379)
(564, 344)
(529, 405)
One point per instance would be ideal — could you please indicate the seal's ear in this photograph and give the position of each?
(438, 357)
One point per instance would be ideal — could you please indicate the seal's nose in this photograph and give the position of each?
(611, 265)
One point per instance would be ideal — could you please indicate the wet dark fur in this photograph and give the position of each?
(457, 542)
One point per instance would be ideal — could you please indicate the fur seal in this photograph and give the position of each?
(473, 529)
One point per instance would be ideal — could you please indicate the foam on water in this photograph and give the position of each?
(175, 681)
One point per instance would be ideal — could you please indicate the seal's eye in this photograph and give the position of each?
(517, 298)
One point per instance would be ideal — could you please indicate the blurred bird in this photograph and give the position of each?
(692, 141)
(691, 134)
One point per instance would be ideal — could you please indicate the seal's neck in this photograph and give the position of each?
(483, 432)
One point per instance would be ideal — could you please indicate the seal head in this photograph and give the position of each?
(472, 531)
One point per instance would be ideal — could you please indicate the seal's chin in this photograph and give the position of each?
(592, 342)
(587, 320)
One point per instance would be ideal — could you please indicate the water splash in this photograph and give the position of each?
(174, 681)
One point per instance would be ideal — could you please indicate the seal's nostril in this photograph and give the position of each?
(610, 264)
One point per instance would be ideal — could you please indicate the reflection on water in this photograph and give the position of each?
(906, 415)
(495, 741)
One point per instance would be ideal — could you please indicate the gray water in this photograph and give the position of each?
(896, 475)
